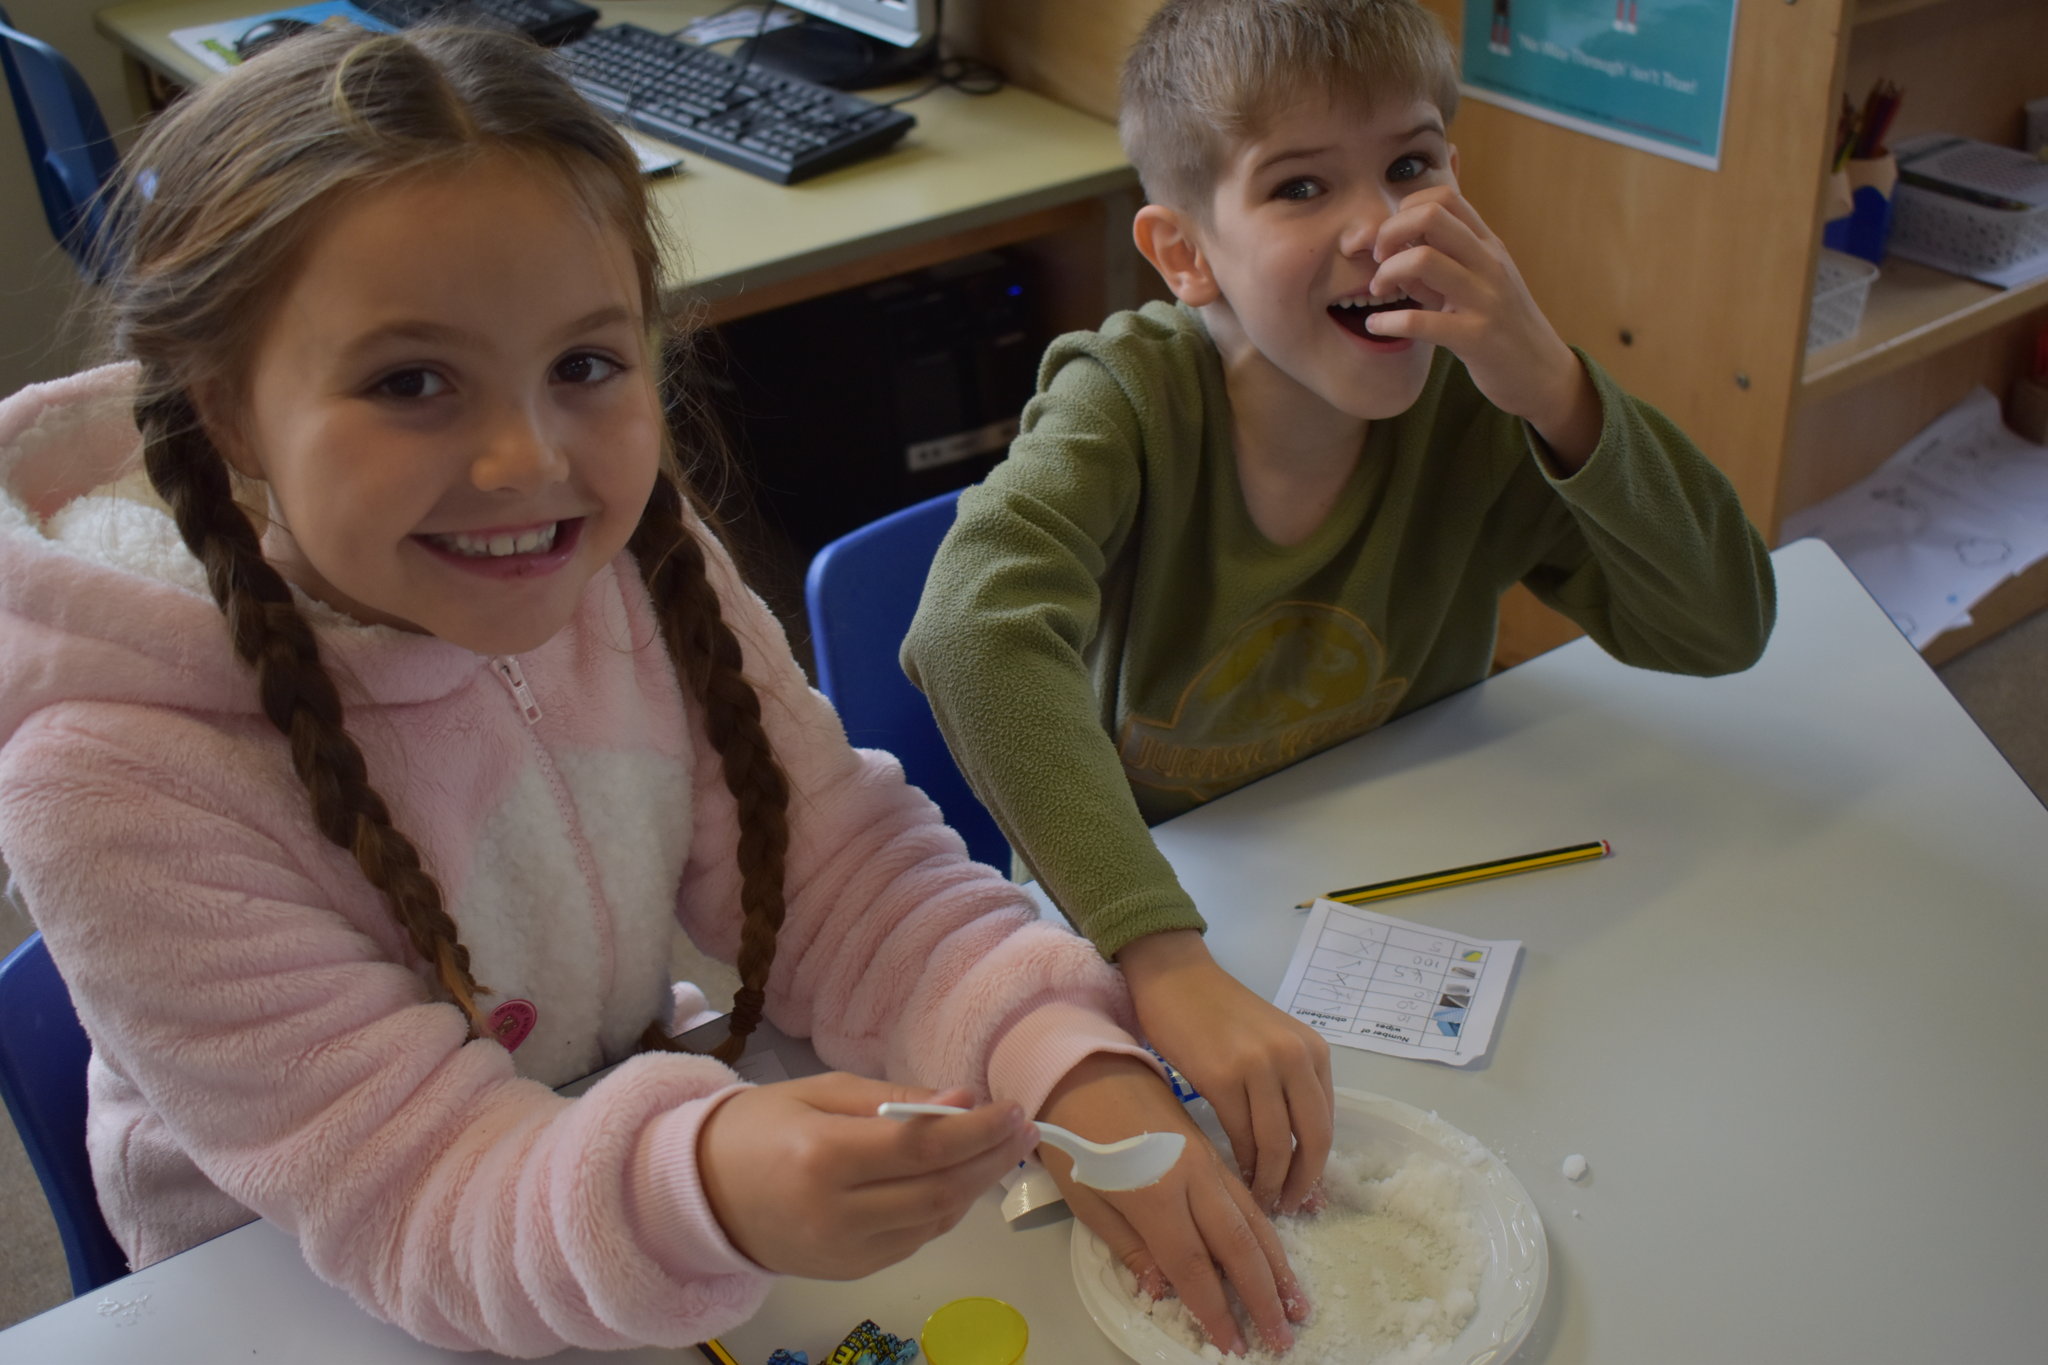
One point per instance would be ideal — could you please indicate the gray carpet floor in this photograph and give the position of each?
(2000, 683)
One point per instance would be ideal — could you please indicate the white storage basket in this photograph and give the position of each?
(1955, 232)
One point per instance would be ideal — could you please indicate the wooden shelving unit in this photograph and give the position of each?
(1914, 311)
(1928, 337)
(1871, 11)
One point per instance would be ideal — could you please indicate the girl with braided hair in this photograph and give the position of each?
(376, 706)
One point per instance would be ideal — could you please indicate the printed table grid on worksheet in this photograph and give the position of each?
(1416, 986)
(1370, 981)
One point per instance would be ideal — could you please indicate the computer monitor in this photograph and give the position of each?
(852, 44)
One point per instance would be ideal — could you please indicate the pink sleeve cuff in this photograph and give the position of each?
(670, 1213)
(1046, 1044)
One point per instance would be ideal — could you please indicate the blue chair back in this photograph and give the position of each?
(43, 1050)
(68, 147)
(861, 592)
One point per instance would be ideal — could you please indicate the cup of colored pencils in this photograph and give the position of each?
(1865, 174)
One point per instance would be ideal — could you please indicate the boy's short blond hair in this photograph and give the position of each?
(1206, 74)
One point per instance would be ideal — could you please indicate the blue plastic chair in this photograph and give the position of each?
(68, 147)
(861, 592)
(43, 1050)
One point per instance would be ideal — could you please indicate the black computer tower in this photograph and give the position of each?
(845, 407)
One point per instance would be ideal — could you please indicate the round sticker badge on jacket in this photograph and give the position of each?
(512, 1021)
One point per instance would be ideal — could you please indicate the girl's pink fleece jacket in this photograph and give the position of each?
(265, 1040)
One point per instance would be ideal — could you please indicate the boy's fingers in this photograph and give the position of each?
(1234, 1113)
(1428, 225)
(1431, 276)
(1308, 1106)
(1468, 213)
(1274, 1137)
(1453, 202)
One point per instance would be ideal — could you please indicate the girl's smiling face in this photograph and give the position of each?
(1288, 250)
(453, 406)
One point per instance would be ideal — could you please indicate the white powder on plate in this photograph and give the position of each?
(1574, 1167)
(1392, 1266)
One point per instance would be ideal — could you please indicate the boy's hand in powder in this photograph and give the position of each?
(1176, 1234)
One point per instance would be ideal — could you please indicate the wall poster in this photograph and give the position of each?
(1651, 74)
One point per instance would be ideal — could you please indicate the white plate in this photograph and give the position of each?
(1510, 1289)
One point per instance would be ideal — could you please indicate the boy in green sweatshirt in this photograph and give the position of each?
(1248, 525)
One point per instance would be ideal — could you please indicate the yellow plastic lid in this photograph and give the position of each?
(975, 1332)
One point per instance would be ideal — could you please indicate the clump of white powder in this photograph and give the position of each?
(1391, 1264)
(1574, 1167)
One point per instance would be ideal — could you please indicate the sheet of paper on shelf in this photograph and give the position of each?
(1370, 981)
(1955, 512)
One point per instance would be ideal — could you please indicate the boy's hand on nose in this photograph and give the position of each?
(1439, 250)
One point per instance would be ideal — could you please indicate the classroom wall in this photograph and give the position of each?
(37, 283)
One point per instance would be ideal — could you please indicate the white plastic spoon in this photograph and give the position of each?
(1128, 1165)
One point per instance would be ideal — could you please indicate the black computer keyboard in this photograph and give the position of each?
(549, 22)
(779, 127)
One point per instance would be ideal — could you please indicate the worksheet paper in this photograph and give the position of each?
(1957, 510)
(1370, 981)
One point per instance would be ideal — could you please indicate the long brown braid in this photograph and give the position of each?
(272, 636)
(709, 660)
(204, 241)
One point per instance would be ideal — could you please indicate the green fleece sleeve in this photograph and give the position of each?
(1000, 647)
(1658, 562)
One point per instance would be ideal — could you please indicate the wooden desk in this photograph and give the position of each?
(977, 172)
(1788, 1023)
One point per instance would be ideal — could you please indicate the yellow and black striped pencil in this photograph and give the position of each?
(716, 1353)
(1475, 872)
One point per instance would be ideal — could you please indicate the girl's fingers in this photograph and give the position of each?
(879, 1151)
(933, 1197)
(1231, 1228)
(1119, 1236)
(1188, 1255)
(1191, 1235)
(1293, 1304)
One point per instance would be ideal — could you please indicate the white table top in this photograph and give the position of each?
(1781, 1023)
